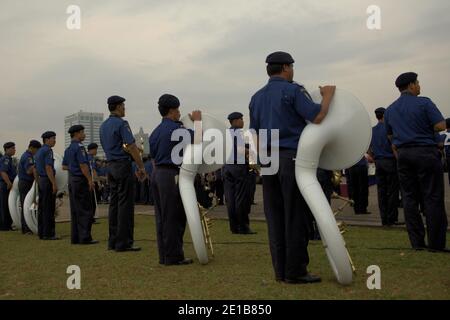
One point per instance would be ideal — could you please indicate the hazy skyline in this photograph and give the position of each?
(209, 53)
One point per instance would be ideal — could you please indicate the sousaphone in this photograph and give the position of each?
(201, 158)
(339, 142)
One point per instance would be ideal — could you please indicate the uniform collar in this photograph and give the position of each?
(277, 78)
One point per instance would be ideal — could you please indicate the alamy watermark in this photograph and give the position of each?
(216, 147)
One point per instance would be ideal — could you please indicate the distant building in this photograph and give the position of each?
(91, 122)
(142, 141)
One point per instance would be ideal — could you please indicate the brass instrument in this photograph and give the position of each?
(205, 220)
(336, 178)
(206, 226)
(341, 224)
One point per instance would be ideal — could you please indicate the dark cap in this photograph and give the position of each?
(48, 135)
(115, 100)
(34, 144)
(75, 128)
(9, 145)
(405, 79)
(380, 110)
(279, 57)
(168, 101)
(235, 115)
(92, 146)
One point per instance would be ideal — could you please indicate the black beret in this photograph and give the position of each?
(9, 145)
(235, 115)
(75, 128)
(168, 101)
(48, 135)
(279, 57)
(35, 144)
(405, 79)
(115, 100)
(380, 110)
(92, 146)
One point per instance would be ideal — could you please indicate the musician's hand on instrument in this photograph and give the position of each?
(327, 90)
(91, 185)
(141, 174)
(196, 115)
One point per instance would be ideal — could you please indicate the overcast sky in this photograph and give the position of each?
(209, 53)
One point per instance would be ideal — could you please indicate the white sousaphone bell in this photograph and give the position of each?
(197, 159)
(339, 142)
(31, 200)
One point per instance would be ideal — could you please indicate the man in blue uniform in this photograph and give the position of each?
(411, 122)
(148, 163)
(386, 171)
(359, 186)
(237, 180)
(7, 176)
(81, 186)
(92, 153)
(285, 106)
(27, 175)
(45, 167)
(118, 143)
(169, 211)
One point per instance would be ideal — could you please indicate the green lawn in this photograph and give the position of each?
(241, 269)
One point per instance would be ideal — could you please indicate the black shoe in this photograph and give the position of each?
(439, 250)
(134, 249)
(180, 263)
(399, 223)
(51, 238)
(420, 248)
(89, 242)
(249, 231)
(308, 278)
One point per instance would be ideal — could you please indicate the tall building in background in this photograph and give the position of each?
(91, 122)
(142, 141)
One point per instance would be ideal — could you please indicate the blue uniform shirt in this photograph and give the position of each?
(7, 166)
(411, 120)
(76, 155)
(114, 133)
(362, 163)
(380, 145)
(160, 141)
(26, 161)
(285, 106)
(92, 164)
(44, 157)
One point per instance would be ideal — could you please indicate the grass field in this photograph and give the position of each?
(241, 269)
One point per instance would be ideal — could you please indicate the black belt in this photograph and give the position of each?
(167, 166)
(409, 146)
(118, 160)
(76, 176)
